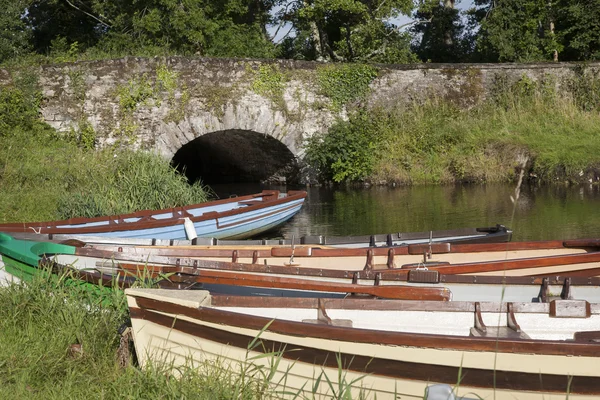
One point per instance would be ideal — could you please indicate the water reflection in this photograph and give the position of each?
(557, 212)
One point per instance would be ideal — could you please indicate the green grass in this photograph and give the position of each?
(45, 178)
(40, 321)
(438, 142)
(434, 143)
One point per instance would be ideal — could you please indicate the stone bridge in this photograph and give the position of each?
(232, 119)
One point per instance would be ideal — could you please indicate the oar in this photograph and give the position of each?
(508, 265)
(268, 281)
(235, 278)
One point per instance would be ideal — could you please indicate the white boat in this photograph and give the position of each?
(387, 349)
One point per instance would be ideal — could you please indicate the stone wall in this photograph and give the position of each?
(164, 103)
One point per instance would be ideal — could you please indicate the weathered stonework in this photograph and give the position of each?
(215, 95)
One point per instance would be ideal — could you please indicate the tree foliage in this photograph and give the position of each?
(363, 31)
(578, 25)
(440, 33)
(14, 33)
(348, 30)
(515, 30)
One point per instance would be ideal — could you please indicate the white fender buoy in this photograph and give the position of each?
(190, 230)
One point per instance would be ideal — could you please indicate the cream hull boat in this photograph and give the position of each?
(388, 349)
(575, 257)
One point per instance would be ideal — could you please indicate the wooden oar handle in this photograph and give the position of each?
(582, 243)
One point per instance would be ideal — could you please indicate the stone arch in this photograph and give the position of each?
(236, 155)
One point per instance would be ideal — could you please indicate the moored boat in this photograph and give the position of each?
(385, 348)
(579, 257)
(492, 234)
(273, 280)
(234, 218)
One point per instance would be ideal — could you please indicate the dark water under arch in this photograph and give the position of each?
(236, 155)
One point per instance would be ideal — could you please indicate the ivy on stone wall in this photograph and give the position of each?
(137, 91)
(141, 90)
(269, 81)
(345, 83)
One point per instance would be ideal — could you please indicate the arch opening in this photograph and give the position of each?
(236, 156)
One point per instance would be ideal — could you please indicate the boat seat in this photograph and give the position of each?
(503, 332)
(424, 265)
(334, 322)
(429, 248)
(587, 336)
(323, 318)
(512, 330)
(252, 202)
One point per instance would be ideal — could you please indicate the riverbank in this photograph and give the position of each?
(553, 137)
(44, 177)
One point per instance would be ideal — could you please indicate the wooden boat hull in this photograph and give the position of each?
(257, 279)
(236, 218)
(493, 234)
(388, 364)
(506, 259)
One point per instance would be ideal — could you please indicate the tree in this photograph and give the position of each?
(347, 30)
(54, 19)
(189, 26)
(441, 34)
(515, 30)
(578, 27)
(14, 33)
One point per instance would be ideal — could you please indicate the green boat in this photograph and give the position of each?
(26, 260)
(23, 256)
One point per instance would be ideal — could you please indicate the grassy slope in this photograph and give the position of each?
(43, 178)
(435, 143)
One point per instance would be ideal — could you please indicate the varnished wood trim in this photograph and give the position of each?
(464, 268)
(433, 248)
(353, 303)
(265, 281)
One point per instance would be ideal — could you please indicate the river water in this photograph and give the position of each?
(540, 212)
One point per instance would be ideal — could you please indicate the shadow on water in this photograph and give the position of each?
(546, 212)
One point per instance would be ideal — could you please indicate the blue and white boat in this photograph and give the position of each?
(234, 218)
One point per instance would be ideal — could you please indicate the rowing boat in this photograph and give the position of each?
(233, 218)
(577, 257)
(266, 280)
(492, 234)
(385, 348)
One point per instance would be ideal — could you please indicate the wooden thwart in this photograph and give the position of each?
(324, 319)
(511, 331)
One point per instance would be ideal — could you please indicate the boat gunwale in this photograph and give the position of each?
(182, 280)
(193, 266)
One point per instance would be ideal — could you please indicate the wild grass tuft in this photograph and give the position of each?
(41, 320)
(45, 178)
